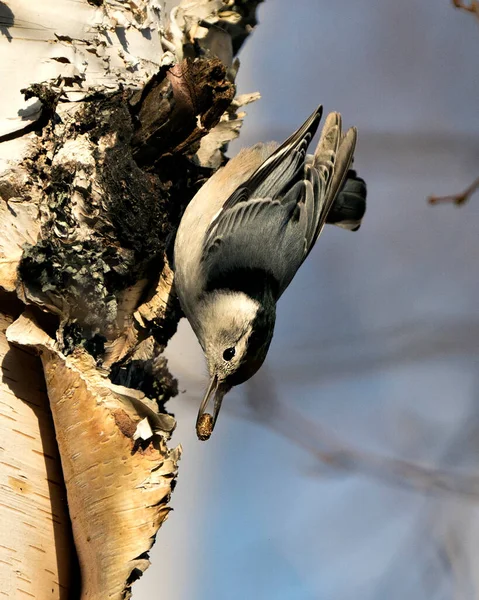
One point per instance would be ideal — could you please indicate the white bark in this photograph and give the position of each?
(117, 489)
(35, 541)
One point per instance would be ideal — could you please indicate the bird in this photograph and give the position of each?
(245, 234)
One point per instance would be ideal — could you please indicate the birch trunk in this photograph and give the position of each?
(111, 117)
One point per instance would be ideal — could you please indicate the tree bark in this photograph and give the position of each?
(36, 545)
(126, 112)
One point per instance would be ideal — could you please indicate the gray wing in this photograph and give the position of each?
(269, 224)
(277, 172)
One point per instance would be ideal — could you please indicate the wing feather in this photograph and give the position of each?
(270, 223)
(279, 169)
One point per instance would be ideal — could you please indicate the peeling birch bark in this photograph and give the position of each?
(114, 114)
(35, 541)
(118, 484)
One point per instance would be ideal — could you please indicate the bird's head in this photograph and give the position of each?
(236, 332)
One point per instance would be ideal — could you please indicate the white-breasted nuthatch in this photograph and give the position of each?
(246, 233)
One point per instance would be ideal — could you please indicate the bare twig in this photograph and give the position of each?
(338, 456)
(462, 197)
(473, 7)
(456, 199)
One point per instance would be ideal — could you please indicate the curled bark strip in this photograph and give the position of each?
(117, 486)
(35, 531)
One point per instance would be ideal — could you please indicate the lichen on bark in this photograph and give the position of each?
(116, 174)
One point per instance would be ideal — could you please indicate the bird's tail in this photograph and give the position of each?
(327, 171)
(350, 205)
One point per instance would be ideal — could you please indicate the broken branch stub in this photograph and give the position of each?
(179, 107)
(118, 484)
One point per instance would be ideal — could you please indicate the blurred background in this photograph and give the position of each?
(348, 467)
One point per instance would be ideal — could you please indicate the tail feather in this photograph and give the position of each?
(349, 207)
(328, 170)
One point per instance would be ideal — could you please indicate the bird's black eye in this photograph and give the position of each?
(229, 353)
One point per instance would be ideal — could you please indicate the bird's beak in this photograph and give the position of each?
(205, 423)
